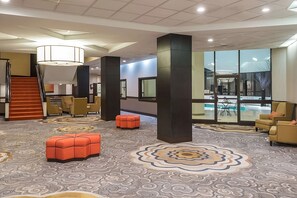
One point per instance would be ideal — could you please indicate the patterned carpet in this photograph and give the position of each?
(133, 163)
(227, 128)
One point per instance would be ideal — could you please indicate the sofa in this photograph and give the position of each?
(281, 111)
(95, 107)
(52, 109)
(284, 132)
(66, 103)
(79, 107)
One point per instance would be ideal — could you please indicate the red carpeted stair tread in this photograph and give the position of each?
(25, 99)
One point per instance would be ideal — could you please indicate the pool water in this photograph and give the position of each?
(211, 106)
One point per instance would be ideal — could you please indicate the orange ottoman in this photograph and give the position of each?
(128, 121)
(72, 146)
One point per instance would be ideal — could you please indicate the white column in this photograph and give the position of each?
(198, 82)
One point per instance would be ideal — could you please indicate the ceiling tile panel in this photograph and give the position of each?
(272, 7)
(183, 16)
(99, 13)
(149, 2)
(147, 19)
(160, 12)
(123, 16)
(208, 8)
(220, 2)
(40, 4)
(245, 5)
(204, 19)
(169, 22)
(177, 4)
(73, 9)
(222, 13)
(136, 9)
(286, 3)
(242, 16)
(109, 4)
(78, 2)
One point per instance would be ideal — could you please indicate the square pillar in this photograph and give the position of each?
(174, 88)
(110, 87)
(83, 80)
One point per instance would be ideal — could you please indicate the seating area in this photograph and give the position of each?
(280, 111)
(283, 132)
(73, 106)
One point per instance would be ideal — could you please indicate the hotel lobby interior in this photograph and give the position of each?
(148, 98)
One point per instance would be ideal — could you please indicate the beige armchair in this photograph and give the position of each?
(283, 132)
(52, 109)
(66, 103)
(95, 107)
(79, 107)
(284, 112)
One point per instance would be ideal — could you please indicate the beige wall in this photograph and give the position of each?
(279, 73)
(20, 63)
(292, 73)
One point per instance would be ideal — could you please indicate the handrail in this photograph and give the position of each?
(40, 84)
(8, 82)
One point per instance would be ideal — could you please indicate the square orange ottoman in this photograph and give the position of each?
(128, 121)
(73, 146)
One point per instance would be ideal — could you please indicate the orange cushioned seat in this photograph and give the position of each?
(73, 146)
(128, 121)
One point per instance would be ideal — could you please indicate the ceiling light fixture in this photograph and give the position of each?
(5, 1)
(210, 40)
(265, 10)
(255, 59)
(290, 41)
(201, 9)
(124, 61)
(293, 6)
(60, 55)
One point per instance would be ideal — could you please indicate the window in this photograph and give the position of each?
(147, 89)
(123, 91)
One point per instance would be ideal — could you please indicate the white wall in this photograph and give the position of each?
(131, 72)
(291, 73)
(279, 73)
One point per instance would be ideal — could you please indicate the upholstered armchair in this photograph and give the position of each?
(281, 111)
(66, 103)
(52, 109)
(79, 107)
(284, 132)
(95, 107)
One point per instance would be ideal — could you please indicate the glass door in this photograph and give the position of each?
(226, 94)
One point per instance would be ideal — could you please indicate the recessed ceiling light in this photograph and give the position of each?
(201, 9)
(5, 1)
(210, 40)
(92, 68)
(255, 59)
(124, 61)
(97, 67)
(265, 10)
(293, 6)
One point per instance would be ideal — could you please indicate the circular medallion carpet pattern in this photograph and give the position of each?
(191, 158)
(227, 128)
(75, 128)
(77, 120)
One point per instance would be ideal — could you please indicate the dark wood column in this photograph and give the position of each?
(110, 87)
(33, 63)
(83, 81)
(174, 88)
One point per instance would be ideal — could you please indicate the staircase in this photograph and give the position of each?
(25, 103)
